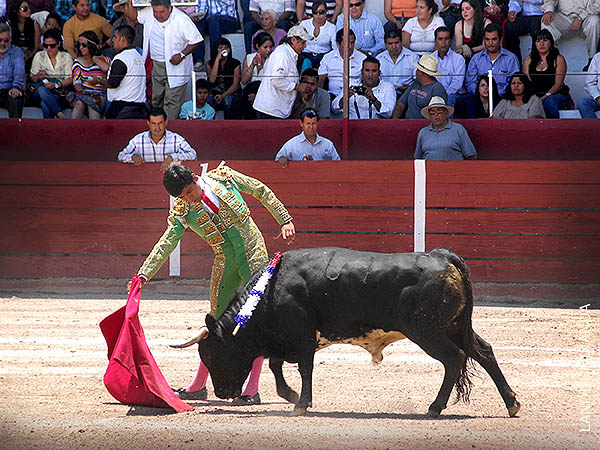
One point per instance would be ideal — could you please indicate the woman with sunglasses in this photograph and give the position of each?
(51, 76)
(322, 31)
(26, 33)
(305, 9)
(89, 78)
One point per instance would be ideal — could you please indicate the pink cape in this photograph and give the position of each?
(132, 376)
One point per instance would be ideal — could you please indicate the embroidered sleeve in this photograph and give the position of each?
(176, 225)
(262, 193)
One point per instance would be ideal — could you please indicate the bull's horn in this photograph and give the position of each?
(201, 336)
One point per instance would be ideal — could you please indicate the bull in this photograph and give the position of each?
(322, 296)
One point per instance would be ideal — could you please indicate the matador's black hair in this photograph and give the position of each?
(176, 178)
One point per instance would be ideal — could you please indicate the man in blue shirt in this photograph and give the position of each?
(451, 64)
(308, 145)
(502, 62)
(367, 28)
(12, 74)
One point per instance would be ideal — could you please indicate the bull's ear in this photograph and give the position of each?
(210, 321)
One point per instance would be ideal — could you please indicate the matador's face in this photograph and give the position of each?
(192, 193)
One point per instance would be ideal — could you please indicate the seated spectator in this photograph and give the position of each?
(213, 18)
(103, 8)
(53, 22)
(322, 31)
(84, 20)
(308, 145)
(126, 84)
(332, 65)
(373, 98)
(495, 10)
(520, 101)
(547, 69)
(482, 97)
(502, 62)
(367, 28)
(524, 17)
(51, 76)
(451, 65)
(418, 33)
(419, 94)
(157, 145)
(313, 97)
(283, 9)
(12, 74)
(443, 139)
(305, 9)
(396, 62)
(268, 26)
(252, 68)
(224, 76)
(588, 105)
(26, 33)
(37, 5)
(89, 77)
(203, 110)
(568, 16)
(468, 31)
(277, 91)
(397, 12)
(451, 14)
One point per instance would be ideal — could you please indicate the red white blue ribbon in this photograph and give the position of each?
(256, 293)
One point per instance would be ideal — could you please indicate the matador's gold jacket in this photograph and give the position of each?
(227, 231)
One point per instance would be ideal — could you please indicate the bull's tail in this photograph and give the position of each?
(466, 340)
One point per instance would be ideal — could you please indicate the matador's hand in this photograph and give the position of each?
(288, 231)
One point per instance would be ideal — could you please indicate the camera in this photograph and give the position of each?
(360, 90)
(224, 53)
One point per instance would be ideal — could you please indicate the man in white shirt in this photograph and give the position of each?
(590, 104)
(277, 91)
(580, 16)
(396, 67)
(157, 145)
(451, 65)
(332, 65)
(308, 145)
(373, 99)
(169, 37)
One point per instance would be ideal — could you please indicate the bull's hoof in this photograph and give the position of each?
(432, 414)
(290, 395)
(298, 412)
(514, 408)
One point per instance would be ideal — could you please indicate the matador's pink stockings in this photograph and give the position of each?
(251, 389)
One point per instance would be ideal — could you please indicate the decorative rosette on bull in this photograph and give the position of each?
(256, 294)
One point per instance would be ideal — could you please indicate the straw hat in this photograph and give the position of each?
(436, 102)
(428, 64)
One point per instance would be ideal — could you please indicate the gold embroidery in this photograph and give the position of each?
(180, 207)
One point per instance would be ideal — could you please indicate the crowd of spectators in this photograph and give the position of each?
(107, 58)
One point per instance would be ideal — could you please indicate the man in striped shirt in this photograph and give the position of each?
(157, 145)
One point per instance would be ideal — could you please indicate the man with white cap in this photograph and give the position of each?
(420, 93)
(443, 139)
(277, 91)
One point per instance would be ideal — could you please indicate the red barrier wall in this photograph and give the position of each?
(512, 221)
(101, 140)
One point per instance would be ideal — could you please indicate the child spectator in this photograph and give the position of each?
(203, 110)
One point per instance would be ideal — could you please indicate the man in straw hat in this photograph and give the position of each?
(420, 93)
(443, 139)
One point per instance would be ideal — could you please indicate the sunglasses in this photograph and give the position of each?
(355, 5)
(320, 12)
(24, 8)
(5, 40)
(82, 44)
(437, 112)
(50, 45)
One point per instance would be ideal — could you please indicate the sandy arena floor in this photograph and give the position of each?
(53, 357)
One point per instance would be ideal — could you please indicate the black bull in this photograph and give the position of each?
(321, 296)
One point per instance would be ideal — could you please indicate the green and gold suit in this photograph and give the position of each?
(234, 237)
